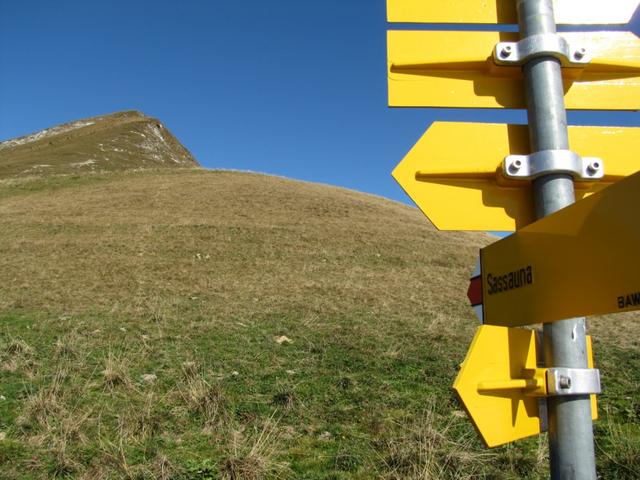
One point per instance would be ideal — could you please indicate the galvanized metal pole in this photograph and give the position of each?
(571, 444)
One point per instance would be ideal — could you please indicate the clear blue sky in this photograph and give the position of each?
(287, 87)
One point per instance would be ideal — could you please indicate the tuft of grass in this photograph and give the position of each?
(115, 372)
(16, 355)
(189, 370)
(143, 421)
(45, 405)
(66, 346)
(250, 456)
(17, 346)
(62, 464)
(284, 397)
(201, 397)
(164, 469)
(426, 450)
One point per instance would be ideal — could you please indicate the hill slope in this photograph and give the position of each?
(191, 324)
(121, 141)
(241, 241)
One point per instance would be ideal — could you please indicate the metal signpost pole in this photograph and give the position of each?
(571, 444)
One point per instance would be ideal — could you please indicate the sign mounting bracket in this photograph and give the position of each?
(573, 381)
(545, 162)
(541, 45)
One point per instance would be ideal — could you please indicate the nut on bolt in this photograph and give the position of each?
(506, 51)
(594, 167)
(515, 166)
(564, 382)
(580, 53)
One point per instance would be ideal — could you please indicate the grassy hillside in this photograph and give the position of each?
(190, 324)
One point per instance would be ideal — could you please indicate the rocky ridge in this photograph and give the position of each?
(119, 141)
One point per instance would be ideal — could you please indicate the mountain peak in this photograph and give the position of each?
(119, 141)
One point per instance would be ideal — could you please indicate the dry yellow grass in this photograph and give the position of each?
(232, 243)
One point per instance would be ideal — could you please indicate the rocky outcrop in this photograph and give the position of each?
(120, 141)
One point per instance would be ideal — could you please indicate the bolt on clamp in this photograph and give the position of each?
(573, 381)
(548, 44)
(528, 167)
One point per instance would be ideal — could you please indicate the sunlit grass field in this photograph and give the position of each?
(192, 324)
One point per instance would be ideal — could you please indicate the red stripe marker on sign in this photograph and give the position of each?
(475, 291)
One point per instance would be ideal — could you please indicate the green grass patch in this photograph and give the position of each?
(272, 397)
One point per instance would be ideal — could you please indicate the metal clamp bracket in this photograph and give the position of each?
(542, 45)
(573, 381)
(528, 167)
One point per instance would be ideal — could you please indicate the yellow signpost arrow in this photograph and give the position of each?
(578, 12)
(456, 69)
(453, 173)
(582, 260)
(500, 385)
(494, 382)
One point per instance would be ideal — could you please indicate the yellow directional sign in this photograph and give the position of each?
(578, 12)
(500, 385)
(499, 370)
(456, 69)
(582, 260)
(453, 173)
